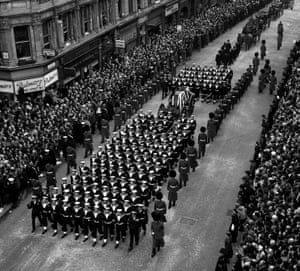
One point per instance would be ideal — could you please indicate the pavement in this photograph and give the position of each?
(196, 228)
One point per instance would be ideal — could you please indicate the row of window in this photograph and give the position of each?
(66, 26)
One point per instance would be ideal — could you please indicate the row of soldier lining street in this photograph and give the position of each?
(195, 228)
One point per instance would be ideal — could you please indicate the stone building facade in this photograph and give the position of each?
(46, 42)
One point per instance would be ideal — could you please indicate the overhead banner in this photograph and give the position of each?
(30, 85)
(50, 78)
(6, 86)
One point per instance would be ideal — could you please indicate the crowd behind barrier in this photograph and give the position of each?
(37, 131)
(266, 219)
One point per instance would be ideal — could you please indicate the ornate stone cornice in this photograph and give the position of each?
(4, 23)
(36, 19)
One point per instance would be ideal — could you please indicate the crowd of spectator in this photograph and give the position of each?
(266, 219)
(36, 131)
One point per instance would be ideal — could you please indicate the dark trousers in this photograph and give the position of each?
(85, 228)
(95, 229)
(44, 220)
(33, 217)
(76, 225)
(108, 229)
(120, 231)
(65, 222)
(134, 236)
(54, 222)
(202, 149)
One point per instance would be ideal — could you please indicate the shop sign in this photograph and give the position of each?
(129, 35)
(50, 78)
(120, 43)
(51, 66)
(30, 85)
(171, 9)
(6, 86)
(49, 52)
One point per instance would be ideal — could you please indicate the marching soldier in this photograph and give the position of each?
(134, 229)
(263, 49)
(255, 63)
(50, 175)
(120, 224)
(54, 214)
(160, 207)
(145, 193)
(202, 141)
(96, 225)
(45, 213)
(86, 221)
(66, 217)
(173, 186)
(192, 155)
(36, 211)
(280, 35)
(77, 218)
(211, 127)
(142, 214)
(157, 232)
(108, 225)
(261, 81)
(65, 185)
(183, 169)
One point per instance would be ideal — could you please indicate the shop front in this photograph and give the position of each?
(185, 8)
(155, 22)
(171, 13)
(77, 62)
(142, 29)
(128, 33)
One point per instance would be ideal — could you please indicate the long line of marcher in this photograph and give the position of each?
(250, 34)
(35, 132)
(110, 198)
(266, 219)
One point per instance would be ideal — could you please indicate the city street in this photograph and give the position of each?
(196, 227)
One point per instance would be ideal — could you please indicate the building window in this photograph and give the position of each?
(130, 6)
(67, 27)
(47, 34)
(105, 11)
(120, 8)
(85, 13)
(22, 40)
(140, 4)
